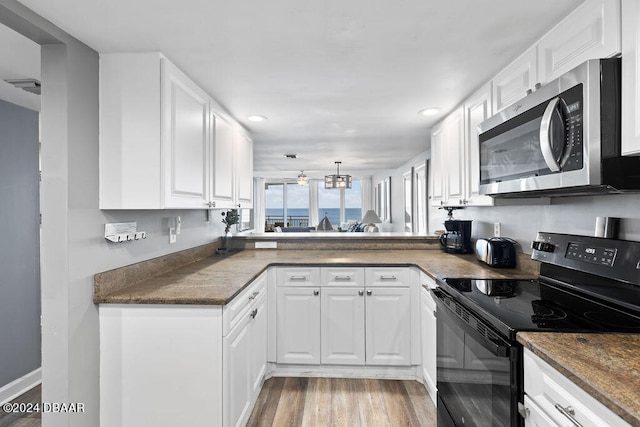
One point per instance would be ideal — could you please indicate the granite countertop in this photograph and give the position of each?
(607, 366)
(218, 278)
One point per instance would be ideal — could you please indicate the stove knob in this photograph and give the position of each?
(543, 246)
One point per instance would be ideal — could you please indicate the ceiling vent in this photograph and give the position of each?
(29, 85)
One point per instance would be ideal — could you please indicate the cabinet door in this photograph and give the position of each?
(630, 78)
(222, 159)
(244, 170)
(429, 334)
(388, 320)
(454, 158)
(342, 326)
(258, 354)
(477, 109)
(298, 325)
(513, 82)
(437, 167)
(237, 370)
(591, 31)
(185, 140)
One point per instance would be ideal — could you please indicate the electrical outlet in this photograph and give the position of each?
(172, 235)
(496, 229)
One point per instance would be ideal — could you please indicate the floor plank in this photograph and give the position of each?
(338, 402)
(32, 396)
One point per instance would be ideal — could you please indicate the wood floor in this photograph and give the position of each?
(293, 402)
(22, 419)
(325, 402)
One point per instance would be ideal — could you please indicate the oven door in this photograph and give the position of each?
(478, 375)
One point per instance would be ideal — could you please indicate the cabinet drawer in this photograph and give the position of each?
(551, 392)
(387, 276)
(342, 276)
(298, 276)
(232, 312)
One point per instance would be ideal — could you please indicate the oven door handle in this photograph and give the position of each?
(491, 342)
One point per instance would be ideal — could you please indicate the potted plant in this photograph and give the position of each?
(229, 218)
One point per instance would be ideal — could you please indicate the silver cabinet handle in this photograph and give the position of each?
(316, 292)
(388, 278)
(342, 278)
(254, 313)
(369, 292)
(361, 293)
(298, 278)
(253, 295)
(569, 413)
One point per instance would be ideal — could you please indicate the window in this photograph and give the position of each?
(286, 205)
(341, 206)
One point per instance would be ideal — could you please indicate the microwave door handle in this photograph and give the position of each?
(545, 139)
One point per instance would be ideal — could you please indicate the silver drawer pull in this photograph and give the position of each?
(298, 278)
(253, 295)
(569, 413)
(342, 278)
(388, 278)
(254, 313)
(316, 292)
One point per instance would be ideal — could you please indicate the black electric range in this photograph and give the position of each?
(586, 284)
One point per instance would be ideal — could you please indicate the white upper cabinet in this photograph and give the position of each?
(437, 166)
(164, 143)
(476, 110)
(244, 170)
(591, 31)
(223, 169)
(185, 139)
(513, 82)
(630, 78)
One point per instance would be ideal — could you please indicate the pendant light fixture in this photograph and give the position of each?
(337, 180)
(303, 179)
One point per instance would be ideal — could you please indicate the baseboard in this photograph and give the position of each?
(20, 386)
(342, 371)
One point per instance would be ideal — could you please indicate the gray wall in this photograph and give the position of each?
(19, 245)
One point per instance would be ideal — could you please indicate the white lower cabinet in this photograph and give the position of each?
(429, 334)
(244, 363)
(342, 326)
(347, 319)
(551, 399)
(388, 320)
(298, 325)
(168, 365)
(160, 365)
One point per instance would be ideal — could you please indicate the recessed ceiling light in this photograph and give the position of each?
(256, 118)
(429, 111)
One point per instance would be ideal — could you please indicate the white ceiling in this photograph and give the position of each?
(338, 79)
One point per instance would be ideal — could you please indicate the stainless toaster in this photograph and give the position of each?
(497, 251)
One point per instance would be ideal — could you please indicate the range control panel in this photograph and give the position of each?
(611, 258)
(599, 255)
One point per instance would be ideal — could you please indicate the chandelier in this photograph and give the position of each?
(337, 180)
(303, 179)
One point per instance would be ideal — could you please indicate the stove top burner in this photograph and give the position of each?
(545, 314)
(535, 305)
(496, 288)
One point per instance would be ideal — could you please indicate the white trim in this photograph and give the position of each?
(20, 386)
(344, 371)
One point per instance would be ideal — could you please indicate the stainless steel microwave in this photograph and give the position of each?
(562, 139)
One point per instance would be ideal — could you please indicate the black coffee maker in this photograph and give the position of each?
(457, 239)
